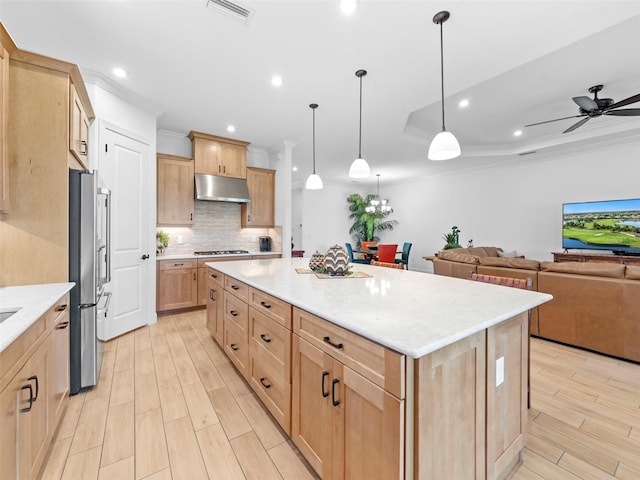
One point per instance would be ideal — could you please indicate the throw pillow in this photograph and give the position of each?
(512, 254)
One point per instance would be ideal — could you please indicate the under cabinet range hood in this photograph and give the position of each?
(221, 189)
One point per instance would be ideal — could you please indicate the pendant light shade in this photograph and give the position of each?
(360, 167)
(444, 146)
(314, 182)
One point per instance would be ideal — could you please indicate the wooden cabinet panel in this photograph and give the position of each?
(78, 127)
(177, 284)
(233, 160)
(276, 309)
(239, 289)
(59, 373)
(260, 211)
(215, 310)
(8, 430)
(175, 199)
(220, 156)
(5, 46)
(235, 345)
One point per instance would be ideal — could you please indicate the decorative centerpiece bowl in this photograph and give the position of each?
(336, 261)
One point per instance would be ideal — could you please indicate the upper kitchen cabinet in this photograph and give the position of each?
(6, 47)
(78, 127)
(220, 156)
(175, 190)
(260, 211)
(38, 131)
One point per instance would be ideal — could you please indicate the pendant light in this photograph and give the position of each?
(360, 167)
(376, 203)
(314, 182)
(444, 146)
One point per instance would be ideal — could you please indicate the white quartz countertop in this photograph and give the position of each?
(188, 256)
(411, 312)
(33, 301)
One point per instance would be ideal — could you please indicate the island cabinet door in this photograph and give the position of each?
(311, 409)
(215, 310)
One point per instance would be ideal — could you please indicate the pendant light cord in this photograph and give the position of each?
(360, 128)
(313, 110)
(442, 75)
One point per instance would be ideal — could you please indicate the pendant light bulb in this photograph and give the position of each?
(314, 182)
(444, 146)
(360, 167)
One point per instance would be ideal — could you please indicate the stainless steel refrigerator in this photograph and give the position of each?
(89, 269)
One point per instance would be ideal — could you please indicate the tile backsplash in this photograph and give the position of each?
(216, 226)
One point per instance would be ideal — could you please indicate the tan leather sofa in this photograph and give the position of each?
(595, 305)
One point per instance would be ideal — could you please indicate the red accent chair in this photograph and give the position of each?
(387, 253)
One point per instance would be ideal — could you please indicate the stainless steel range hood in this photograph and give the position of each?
(221, 189)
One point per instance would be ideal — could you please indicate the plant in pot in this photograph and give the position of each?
(162, 241)
(367, 224)
(452, 238)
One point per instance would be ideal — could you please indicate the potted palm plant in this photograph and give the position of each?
(367, 224)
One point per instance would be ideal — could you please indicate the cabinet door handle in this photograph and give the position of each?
(333, 392)
(35, 377)
(213, 275)
(325, 394)
(62, 325)
(211, 292)
(265, 304)
(233, 313)
(233, 287)
(194, 276)
(265, 385)
(334, 345)
(191, 216)
(234, 347)
(249, 218)
(25, 387)
(61, 308)
(85, 148)
(265, 338)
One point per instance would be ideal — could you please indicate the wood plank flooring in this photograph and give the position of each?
(170, 406)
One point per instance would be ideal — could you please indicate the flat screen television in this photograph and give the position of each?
(605, 225)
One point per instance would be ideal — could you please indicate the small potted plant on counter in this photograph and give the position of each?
(162, 241)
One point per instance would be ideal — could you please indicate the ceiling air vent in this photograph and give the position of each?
(233, 10)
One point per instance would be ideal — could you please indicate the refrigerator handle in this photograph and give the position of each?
(108, 242)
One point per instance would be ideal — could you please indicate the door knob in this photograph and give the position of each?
(144, 257)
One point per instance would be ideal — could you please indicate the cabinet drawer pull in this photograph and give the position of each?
(35, 377)
(27, 409)
(233, 313)
(334, 345)
(325, 393)
(62, 325)
(213, 275)
(265, 338)
(178, 264)
(333, 392)
(233, 287)
(61, 308)
(265, 385)
(265, 304)
(234, 347)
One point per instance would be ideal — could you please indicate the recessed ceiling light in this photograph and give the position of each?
(348, 6)
(295, 169)
(231, 128)
(463, 103)
(517, 133)
(276, 80)
(119, 72)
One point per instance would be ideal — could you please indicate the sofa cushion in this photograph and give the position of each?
(458, 257)
(484, 251)
(585, 268)
(510, 263)
(511, 254)
(632, 272)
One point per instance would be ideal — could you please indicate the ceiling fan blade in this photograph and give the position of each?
(626, 101)
(576, 125)
(549, 121)
(586, 103)
(625, 112)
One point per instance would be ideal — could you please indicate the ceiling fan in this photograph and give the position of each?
(595, 107)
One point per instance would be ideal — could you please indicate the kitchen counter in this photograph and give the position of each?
(184, 256)
(33, 301)
(411, 312)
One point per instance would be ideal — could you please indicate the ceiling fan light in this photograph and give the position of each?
(359, 169)
(444, 146)
(314, 182)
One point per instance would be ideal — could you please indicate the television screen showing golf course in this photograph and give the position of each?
(609, 225)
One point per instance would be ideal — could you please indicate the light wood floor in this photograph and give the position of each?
(169, 405)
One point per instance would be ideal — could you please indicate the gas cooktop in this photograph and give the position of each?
(220, 252)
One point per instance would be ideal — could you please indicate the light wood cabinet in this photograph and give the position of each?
(78, 127)
(203, 273)
(6, 47)
(347, 424)
(34, 393)
(260, 211)
(38, 133)
(220, 156)
(175, 200)
(215, 304)
(236, 323)
(177, 284)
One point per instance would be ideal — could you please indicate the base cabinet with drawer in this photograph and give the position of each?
(215, 303)
(177, 284)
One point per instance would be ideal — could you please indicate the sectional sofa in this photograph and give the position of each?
(595, 306)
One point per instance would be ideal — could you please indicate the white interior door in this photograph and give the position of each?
(123, 166)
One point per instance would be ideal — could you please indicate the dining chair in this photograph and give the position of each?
(406, 248)
(354, 260)
(398, 266)
(387, 252)
(365, 245)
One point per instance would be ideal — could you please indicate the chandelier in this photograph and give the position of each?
(376, 204)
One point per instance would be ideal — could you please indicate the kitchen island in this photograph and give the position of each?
(395, 374)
